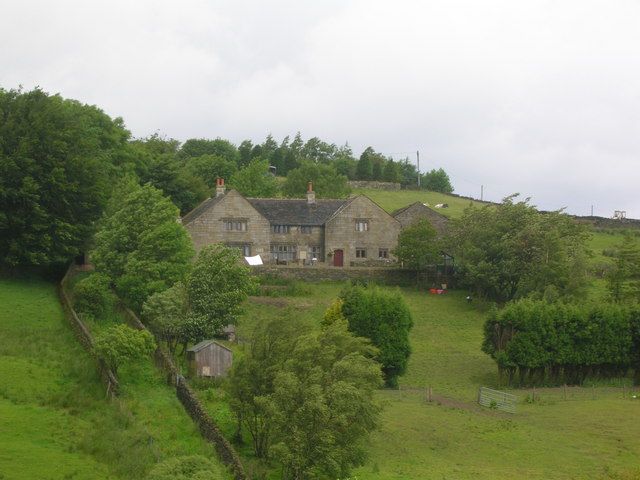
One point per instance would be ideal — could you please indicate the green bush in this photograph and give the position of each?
(384, 318)
(120, 344)
(93, 295)
(194, 467)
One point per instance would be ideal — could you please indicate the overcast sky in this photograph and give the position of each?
(536, 97)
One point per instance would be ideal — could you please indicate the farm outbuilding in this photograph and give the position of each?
(209, 359)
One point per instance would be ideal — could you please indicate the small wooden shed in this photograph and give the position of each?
(209, 359)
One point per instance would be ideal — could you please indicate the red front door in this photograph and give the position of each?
(337, 258)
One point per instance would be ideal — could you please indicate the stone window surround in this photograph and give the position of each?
(361, 252)
(235, 224)
(362, 224)
(283, 251)
(277, 228)
(383, 252)
(315, 251)
(245, 248)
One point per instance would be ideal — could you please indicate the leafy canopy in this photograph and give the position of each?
(437, 181)
(511, 250)
(623, 280)
(120, 344)
(209, 299)
(255, 180)
(57, 161)
(217, 285)
(418, 246)
(140, 245)
(384, 318)
(327, 183)
(307, 399)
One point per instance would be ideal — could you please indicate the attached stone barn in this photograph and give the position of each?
(209, 359)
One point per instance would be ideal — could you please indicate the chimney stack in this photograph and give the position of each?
(220, 187)
(311, 195)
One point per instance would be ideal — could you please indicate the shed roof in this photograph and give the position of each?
(294, 211)
(205, 343)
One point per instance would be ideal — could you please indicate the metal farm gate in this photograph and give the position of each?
(497, 399)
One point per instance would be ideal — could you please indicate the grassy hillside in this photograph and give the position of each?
(393, 200)
(51, 403)
(588, 435)
(54, 420)
(153, 403)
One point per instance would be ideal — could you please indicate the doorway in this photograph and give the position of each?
(338, 258)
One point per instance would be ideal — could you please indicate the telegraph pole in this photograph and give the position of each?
(418, 161)
(481, 192)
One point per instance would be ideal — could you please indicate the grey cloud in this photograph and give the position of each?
(542, 98)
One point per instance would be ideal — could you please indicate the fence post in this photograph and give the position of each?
(534, 395)
(564, 388)
(429, 394)
(624, 390)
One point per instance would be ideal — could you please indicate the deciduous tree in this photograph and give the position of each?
(327, 183)
(384, 318)
(255, 180)
(217, 285)
(623, 280)
(437, 181)
(58, 159)
(418, 246)
(511, 250)
(307, 399)
(140, 244)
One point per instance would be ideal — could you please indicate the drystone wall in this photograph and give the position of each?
(374, 185)
(191, 404)
(107, 376)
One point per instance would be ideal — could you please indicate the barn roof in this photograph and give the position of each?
(421, 206)
(294, 211)
(205, 343)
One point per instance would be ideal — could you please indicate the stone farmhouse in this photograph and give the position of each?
(340, 233)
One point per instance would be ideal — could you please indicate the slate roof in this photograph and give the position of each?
(294, 211)
(196, 212)
(205, 343)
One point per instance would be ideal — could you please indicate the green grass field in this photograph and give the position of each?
(591, 434)
(55, 422)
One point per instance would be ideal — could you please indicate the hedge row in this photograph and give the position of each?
(557, 343)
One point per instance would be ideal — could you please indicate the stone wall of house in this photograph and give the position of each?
(340, 232)
(417, 212)
(374, 185)
(209, 228)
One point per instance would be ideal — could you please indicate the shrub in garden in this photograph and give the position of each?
(93, 295)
